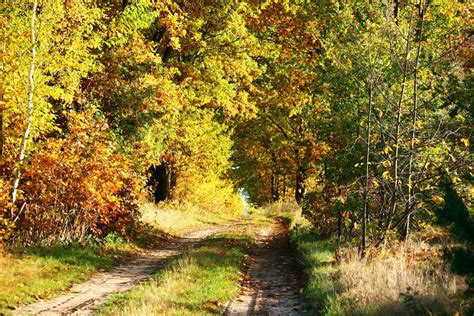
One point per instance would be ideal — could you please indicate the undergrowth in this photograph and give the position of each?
(411, 279)
(180, 219)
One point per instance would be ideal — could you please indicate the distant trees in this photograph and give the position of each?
(278, 149)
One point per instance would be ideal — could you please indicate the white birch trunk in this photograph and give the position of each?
(31, 90)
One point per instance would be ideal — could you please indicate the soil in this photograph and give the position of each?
(272, 283)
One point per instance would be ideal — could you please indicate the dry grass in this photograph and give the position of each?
(181, 220)
(410, 280)
(279, 207)
(406, 279)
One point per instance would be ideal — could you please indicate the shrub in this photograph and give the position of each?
(6, 222)
(77, 186)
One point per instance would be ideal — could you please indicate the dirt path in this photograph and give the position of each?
(272, 283)
(84, 297)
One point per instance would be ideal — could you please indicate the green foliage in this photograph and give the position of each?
(389, 57)
(455, 212)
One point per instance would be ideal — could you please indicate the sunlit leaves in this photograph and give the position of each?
(78, 186)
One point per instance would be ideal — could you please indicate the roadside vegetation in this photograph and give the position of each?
(316, 255)
(412, 278)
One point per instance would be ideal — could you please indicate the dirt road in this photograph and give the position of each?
(272, 283)
(84, 297)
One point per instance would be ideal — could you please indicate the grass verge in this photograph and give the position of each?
(316, 255)
(32, 273)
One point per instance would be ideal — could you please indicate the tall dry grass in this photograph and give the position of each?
(181, 219)
(282, 206)
(410, 280)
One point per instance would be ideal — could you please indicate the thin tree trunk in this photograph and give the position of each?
(339, 226)
(411, 191)
(31, 90)
(367, 161)
(398, 123)
(2, 108)
(273, 186)
(339, 229)
(367, 153)
(1, 128)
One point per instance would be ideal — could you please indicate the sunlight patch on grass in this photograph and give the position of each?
(29, 274)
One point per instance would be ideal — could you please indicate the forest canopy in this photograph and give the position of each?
(361, 112)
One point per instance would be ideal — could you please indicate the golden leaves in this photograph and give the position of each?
(437, 199)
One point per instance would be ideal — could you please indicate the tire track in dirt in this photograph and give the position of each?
(82, 299)
(272, 283)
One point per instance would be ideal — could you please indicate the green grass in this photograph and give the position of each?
(32, 273)
(316, 254)
(197, 283)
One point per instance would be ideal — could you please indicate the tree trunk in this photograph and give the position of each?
(2, 136)
(411, 192)
(367, 161)
(31, 90)
(2, 108)
(367, 153)
(274, 188)
(299, 186)
(339, 229)
(398, 123)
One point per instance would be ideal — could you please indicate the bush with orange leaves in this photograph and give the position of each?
(77, 186)
(6, 223)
